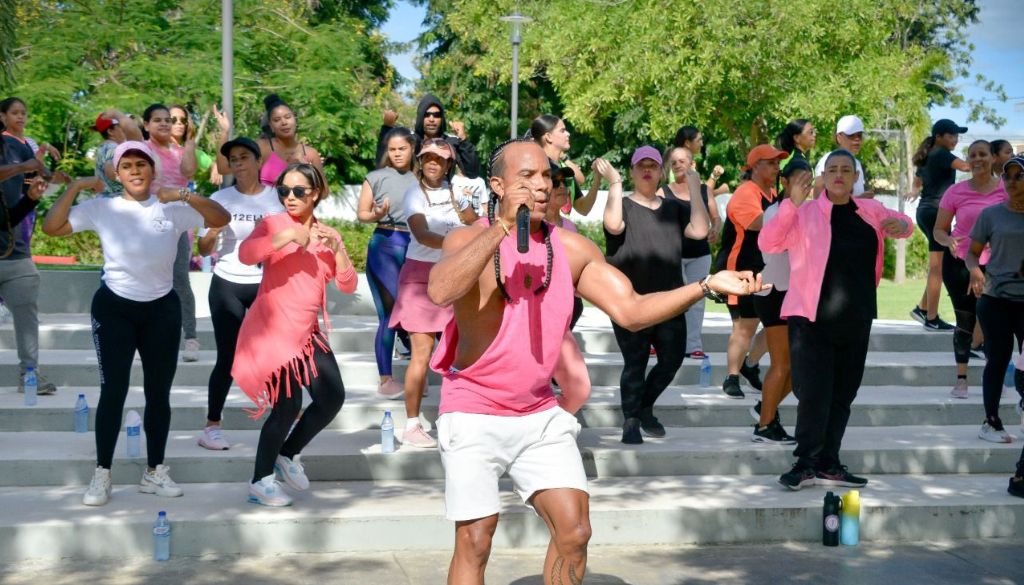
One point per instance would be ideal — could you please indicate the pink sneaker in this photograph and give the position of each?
(391, 390)
(960, 390)
(417, 437)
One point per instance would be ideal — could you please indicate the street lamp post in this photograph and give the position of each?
(517, 21)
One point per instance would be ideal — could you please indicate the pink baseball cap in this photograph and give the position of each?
(437, 146)
(645, 152)
(133, 146)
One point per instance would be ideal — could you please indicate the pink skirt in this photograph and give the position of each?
(413, 310)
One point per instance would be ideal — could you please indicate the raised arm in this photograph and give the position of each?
(56, 222)
(613, 221)
(214, 215)
(603, 284)
(697, 229)
(225, 132)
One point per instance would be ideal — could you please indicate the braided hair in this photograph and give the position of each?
(496, 163)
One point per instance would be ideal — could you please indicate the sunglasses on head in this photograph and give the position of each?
(300, 192)
(433, 115)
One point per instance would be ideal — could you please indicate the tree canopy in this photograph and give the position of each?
(326, 59)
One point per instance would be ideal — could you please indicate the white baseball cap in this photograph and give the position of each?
(849, 125)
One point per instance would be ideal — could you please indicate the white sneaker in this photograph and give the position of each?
(159, 482)
(268, 492)
(191, 351)
(425, 423)
(417, 437)
(989, 433)
(98, 493)
(960, 390)
(391, 390)
(212, 439)
(292, 472)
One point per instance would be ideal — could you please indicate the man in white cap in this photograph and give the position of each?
(849, 136)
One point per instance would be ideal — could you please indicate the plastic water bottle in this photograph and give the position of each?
(31, 386)
(1007, 380)
(133, 428)
(849, 526)
(206, 264)
(830, 520)
(162, 538)
(81, 415)
(705, 372)
(387, 433)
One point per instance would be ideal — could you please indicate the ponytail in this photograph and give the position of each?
(921, 156)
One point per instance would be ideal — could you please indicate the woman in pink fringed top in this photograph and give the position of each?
(281, 348)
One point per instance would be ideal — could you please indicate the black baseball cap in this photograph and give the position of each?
(945, 126)
(240, 141)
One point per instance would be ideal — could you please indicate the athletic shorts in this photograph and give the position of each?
(538, 451)
(744, 309)
(926, 216)
(769, 307)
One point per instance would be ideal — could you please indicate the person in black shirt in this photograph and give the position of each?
(644, 238)
(432, 122)
(936, 171)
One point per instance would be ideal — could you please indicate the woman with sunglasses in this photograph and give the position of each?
(280, 144)
(1000, 292)
(234, 284)
(381, 200)
(281, 347)
(963, 202)
(177, 166)
(431, 210)
(135, 308)
(183, 130)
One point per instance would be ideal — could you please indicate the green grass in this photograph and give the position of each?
(894, 300)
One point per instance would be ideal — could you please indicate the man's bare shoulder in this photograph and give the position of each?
(459, 237)
(579, 248)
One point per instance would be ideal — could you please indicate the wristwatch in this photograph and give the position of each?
(710, 294)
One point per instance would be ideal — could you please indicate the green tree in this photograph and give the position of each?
(325, 58)
(7, 42)
(627, 73)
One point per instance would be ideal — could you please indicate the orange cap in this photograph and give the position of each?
(763, 152)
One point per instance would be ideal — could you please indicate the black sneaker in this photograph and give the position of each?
(752, 374)
(839, 476)
(755, 411)
(919, 315)
(631, 432)
(937, 324)
(773, 433)
(731, 386)
(797, 478)
(650, 425)
(1016, 487)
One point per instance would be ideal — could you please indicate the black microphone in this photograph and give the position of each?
(523, 229)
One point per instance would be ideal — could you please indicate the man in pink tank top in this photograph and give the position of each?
(512, 310)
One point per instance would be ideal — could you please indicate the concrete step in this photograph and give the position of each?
(52, 523)
(680, 406)
(52, 458)
(593, 332)
(78, 367)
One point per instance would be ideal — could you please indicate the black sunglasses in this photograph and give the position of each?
(177, 120)
(433, 115)
(300, 192)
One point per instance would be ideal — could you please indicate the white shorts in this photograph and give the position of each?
(538, 451)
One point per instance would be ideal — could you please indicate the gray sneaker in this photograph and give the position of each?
(44, 387)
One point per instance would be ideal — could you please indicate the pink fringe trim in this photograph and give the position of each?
(267, 396)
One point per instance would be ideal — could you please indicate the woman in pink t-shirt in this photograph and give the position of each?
(963, 202)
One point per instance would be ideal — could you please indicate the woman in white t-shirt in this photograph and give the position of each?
(432, 210)
(234, 285)
(135, 308)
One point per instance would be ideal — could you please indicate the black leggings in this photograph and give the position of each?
(828, 366)
(119, 327)
(328, 394)
(957, 278)
(640, 391)
(228, 303)
(1001, 320)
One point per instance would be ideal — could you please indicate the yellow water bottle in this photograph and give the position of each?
(849, 530)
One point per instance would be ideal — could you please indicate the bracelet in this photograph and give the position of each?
(710, 294)
(611, 183)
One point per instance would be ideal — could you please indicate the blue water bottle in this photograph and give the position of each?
(31, 386)
(81, 415)
(387, 433)
(162, 538)
(1007, 379)
(705, 372)
(849, 527)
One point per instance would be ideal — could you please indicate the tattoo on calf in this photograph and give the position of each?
(556, 573)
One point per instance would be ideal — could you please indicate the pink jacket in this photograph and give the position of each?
(806, 233)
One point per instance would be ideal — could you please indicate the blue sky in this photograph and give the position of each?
(998, 55)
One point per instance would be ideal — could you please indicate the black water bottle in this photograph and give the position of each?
(830, 520)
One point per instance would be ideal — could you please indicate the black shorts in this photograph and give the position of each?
(926, 216)
(769, 306)
(743, 310)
